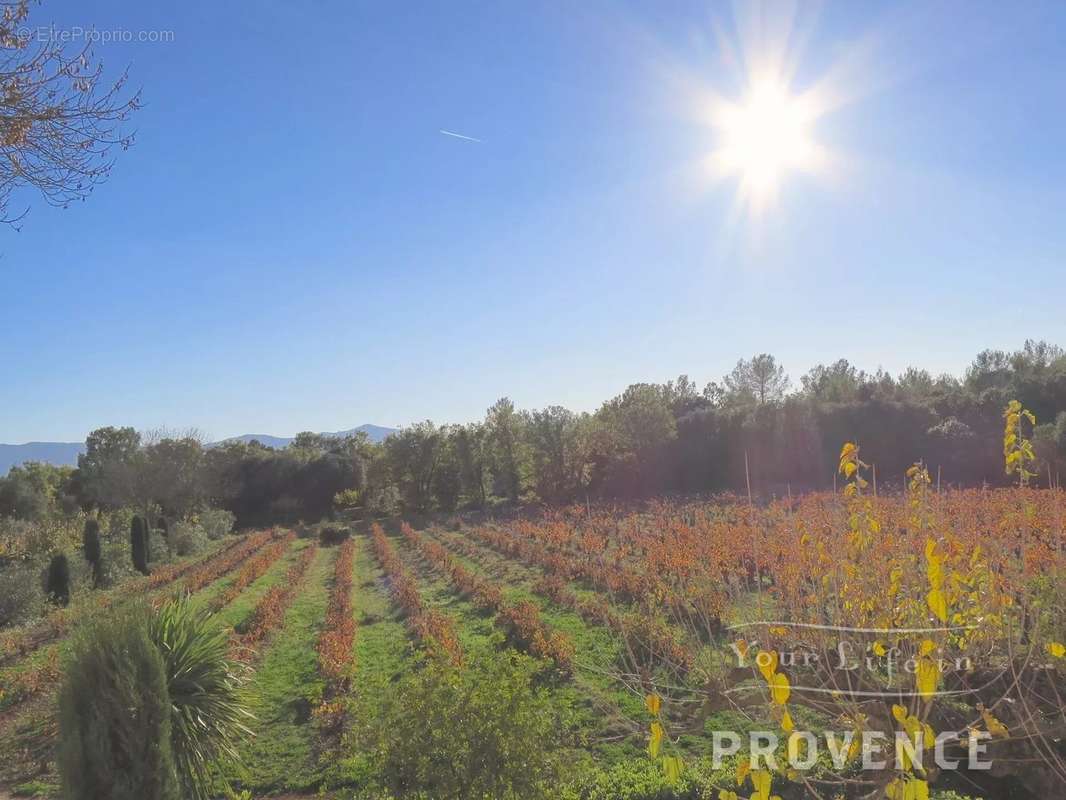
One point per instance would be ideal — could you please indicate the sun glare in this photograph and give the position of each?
(764, 136)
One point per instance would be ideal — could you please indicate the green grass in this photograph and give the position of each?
(239, 609)
(381, 644)
(286, 687)
(27, 765)
(384, 652)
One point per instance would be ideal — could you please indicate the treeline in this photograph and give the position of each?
(754, 425)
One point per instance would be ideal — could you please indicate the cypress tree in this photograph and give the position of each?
(139, 545)
(57, 580)
(90, 542)
(115, 716)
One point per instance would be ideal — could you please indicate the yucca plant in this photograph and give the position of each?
(209, 706)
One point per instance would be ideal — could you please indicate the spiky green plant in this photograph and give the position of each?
(210, 710)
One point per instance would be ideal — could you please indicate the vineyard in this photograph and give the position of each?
(655, 626)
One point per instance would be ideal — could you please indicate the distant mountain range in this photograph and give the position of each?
(58, 453)
(376, 433)
(64, 453)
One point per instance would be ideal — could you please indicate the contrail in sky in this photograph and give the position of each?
(460, 136)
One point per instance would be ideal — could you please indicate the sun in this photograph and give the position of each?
(763, 136)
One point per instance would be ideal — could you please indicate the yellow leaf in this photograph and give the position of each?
(927, 647)
(938, 604)
(928, 675)
(656, 740)
(879, 649)
(743, 768)
(779, 688)
(995, 727)
(1056, 649)
(787, 725)
(928, 737)
(654, 703)
(725, 794)
(917, 789)
(672, 769)
(900, 713)
(767, 663)
(761, 780)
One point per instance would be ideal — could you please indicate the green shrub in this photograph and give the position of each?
(57, 580)
(90, 545)
(21, 595)
(640, 778)
(158, 547)
(117, 561)
(209, 709)
(329, 535)
(217, 522)
(139, 545)
(480, 731)
(188, 538)
(114, 714)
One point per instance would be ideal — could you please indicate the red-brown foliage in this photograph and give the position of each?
(521, 619)
(270, 610)
(253, 570)
(431, 626)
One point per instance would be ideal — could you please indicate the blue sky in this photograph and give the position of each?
(292, 244)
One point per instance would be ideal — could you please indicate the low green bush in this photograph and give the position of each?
(483, 730)
(329, 535)
(21, 593)
(188, 538)
(217, 522)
